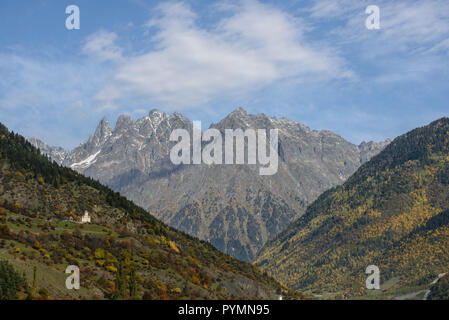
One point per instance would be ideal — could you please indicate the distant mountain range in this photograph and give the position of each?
(56, 154)
(123, 253)
(392, 213)
(231, 206)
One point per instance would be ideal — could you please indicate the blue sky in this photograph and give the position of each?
(310, 61)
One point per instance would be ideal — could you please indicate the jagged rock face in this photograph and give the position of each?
(231, 206)
(56, 154)
(114, 157)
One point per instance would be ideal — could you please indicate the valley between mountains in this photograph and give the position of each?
(331, 210)
(230, 206)
(124, 253)
(393, 212)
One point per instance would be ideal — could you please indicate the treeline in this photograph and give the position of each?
(25, 157)
(419, 144)
(130, 254)
(393, 213)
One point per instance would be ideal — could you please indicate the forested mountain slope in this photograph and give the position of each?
(392, 213)
(123, 253)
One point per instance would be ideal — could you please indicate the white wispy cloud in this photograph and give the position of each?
(335, 8)
(411, 44)
(209, 60)
(416, 22)
(102, 46)
(404, 24)
(253, 46)
(42, 94)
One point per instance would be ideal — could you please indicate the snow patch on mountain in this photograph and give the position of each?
(86, 162)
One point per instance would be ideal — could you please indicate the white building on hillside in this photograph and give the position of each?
(86, 217)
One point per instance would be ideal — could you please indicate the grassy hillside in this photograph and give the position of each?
(392, 213)
(124, 253)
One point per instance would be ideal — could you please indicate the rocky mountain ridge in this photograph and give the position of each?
(231, 206)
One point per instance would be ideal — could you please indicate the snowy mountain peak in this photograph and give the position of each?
(135, 161)
(239, 111)
(102, 133)
(57, 154)
(157, 117)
